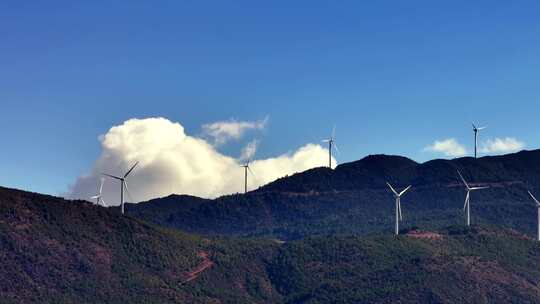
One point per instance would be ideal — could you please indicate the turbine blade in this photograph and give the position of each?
(128, 193)
(399, 208)
(392, 188)
(463, 179)
(115, 177)
(127, 173)
(481, 128)
(336, 148)
(405, 190)
(95, 196)
(249, 169)
(101, 187)
(534, 198)
(474, 127)
(466, 200)
(478, 188)
(334, 132)
(103, 202)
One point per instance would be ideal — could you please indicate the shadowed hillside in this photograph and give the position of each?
(354, 198)
(56, 251)
(374, 171)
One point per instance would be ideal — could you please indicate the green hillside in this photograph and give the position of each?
(468, 266)
(354, 199)
(57, 251)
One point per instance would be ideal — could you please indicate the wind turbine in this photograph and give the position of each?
(475, 129)
(398, 204)
(123, 184)
(99, 197)
(246, 168)
(331, 143)
(467, 206)
(538, 207)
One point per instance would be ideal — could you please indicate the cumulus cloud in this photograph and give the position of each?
(502, 145)
(170, 161)
(449, 147)
(248, 152)
(223, 131)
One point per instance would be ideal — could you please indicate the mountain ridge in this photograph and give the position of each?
(374, 170)
(58, 251)
(354, 198)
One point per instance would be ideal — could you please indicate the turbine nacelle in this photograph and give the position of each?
(99, 197)
(331, 146)
(123, 184)
(397, 195)
(469, 188)
(476, 129)
(467, 205)
(246, 169)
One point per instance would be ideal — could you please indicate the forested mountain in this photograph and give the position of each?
(57, 251)
(354, 199)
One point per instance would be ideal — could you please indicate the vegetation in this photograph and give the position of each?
(354, 199)
(56, 251)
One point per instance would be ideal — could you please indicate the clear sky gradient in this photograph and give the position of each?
(394, 76)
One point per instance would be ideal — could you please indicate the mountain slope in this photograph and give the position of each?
(354, 198)
(57, 251)
(457, 266)
(375, 170)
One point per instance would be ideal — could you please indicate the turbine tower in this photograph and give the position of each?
(538, 207)
(467, 206)
(99, 197)
(331, 144)
(123, 184)
(246, 168)
(475, 129)
(398, 204)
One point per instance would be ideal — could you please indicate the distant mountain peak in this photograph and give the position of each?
(381, 161)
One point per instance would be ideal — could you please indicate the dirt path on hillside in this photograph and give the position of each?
(197, 271)
(424, 235)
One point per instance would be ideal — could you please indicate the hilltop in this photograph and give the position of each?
(354, 199)
(73, 252)
(53, 250)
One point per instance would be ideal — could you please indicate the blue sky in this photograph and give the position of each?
(394, 76)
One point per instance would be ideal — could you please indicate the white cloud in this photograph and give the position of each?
(248, 152)
(174, 162)
(449, 147)
(224, 131)
(502, 145)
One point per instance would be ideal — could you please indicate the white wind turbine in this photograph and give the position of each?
(123, 184)
(246, 168)
(331, 144)
(538, 207)
(467, 206)
(475, 129)
(398, 204)
(99, 197)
